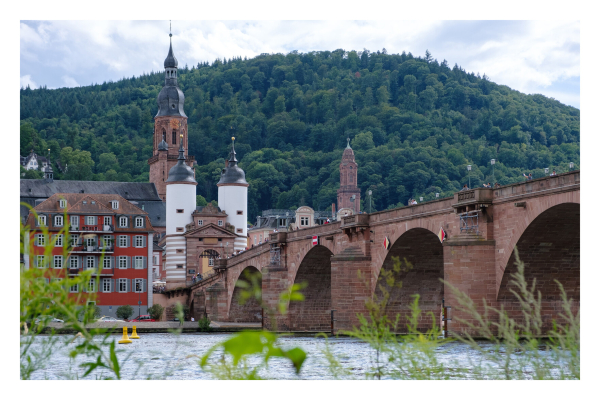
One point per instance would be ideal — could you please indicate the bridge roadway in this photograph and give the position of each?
(540, 218)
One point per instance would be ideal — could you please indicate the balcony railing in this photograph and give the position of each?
(93, 249)
(92, 228)
(102, 272)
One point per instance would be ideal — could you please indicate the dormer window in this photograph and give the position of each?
(114, 204)
(123, 222)
(139, 222)
(41, 220)
(62, 203)
(200, 222)
(220, 222)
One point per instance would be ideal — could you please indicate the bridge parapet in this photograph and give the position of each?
(565, 181)
(471, 200)
(355, 220)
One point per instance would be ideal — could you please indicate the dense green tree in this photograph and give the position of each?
(414, 124)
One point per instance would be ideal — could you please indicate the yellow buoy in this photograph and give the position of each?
(125, 338)
(134, 334)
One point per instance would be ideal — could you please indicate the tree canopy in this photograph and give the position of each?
(414, 123)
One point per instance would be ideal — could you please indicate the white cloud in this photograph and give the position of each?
(525, 55)
(26, 80)
(69, 82)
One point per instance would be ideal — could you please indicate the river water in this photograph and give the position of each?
(168, 356)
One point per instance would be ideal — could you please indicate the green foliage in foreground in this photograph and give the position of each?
(514, 348)
(415, 123)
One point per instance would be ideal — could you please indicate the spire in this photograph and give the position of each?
(232, 159)
(48, 173)
(348, 145)
(180, 172)
(170, 61)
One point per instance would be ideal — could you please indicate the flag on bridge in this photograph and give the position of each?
(442, 235)
(386, 243)
(315, 240)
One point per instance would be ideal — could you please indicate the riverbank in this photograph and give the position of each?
(154, 327)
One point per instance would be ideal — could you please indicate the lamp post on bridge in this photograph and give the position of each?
(352, 199)
(370, 197)
(571, 166)
(469, 169)
(493, 162)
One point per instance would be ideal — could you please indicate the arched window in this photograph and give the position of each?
(174, 137)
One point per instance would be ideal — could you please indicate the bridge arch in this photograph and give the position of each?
(251, 310)
(422, 251)
(313, 314)
(550, 248)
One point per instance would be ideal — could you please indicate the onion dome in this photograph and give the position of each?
(170, 61)
(232, 173)
(163, 146)
(180, 171)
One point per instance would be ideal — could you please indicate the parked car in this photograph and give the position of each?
(109, 319)
(143, 318)
(47, 318)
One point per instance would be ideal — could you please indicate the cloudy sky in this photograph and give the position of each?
(529, 56)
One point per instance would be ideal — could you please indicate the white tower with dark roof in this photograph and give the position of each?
(181, 203)
(233, 198)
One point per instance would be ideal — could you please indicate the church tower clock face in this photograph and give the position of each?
(174, 124)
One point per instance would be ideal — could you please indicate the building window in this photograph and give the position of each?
(220, 222)
(282, 221)
(179, 211)
(58, 261)
(154, 260)
(75, 221)
(191, 271)
(211, 262)
(239, 230)
(122, 285)
(41, 240)
(114, 204)
(89, 220)
(179, 251)
(62, 203)
(74, 288)
(106, 220)
(139, 285)
(74, 262)
(106, 285)
(90, 262)
(91, 286)
(106, 263)
(240, 212)
(74, 239)
(179, 265)
(179, 229)
(40, 261)
(123, 222)
(139, 241)
(58, 220)
(139, 262)
(122, 241)
(41, 220)
(59, 241)
(303, 221)
(174, 137)
(122, 262)
(255, 239)
(89, 242)
(200, 222)
(139, 222)
(106, 239)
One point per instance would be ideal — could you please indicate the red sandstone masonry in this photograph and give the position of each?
(479, 270)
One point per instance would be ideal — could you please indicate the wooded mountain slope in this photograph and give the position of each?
(414, 124)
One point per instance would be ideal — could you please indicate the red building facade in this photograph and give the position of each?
(106, 233)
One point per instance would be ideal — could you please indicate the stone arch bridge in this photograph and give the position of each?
(482, 227)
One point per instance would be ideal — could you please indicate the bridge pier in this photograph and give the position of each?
(469, 266)
(274, 282)
(349, 291)
(216, 302)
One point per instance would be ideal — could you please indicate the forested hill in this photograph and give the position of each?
(414, 124)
